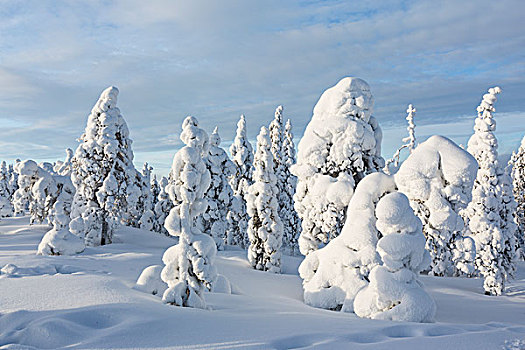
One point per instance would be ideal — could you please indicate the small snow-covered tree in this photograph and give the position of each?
(438, 178)
(107, 184)
(162, 207)
(394, 292)
(340, 146)
(6, 208)
(155, 190)
(26, 176)
(242, 155)
(219, 195)
(289, 217)
(13, 179)
(59, 240)
(392, 164)
(334, 274)
(495, 247)
(518, 185)
(265, 229)
(147, 219)
(64, 167)
(189, 266)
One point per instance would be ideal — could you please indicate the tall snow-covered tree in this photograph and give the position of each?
(189, 266)
(438, 178)
(34, 187)
(409, 142)
(340, 146)
(289, 217)
(394, 292)
(147, 219)
(162, 207)
(495, 247)
(6, 208)
(155, 190)
(242, 155)
(26, 176)
(518, 185)
(107, 184)
(265, 229)
(13, 179)
(219, 195)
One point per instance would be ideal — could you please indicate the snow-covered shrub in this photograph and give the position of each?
(242, 155)
(518, 184)
(162, 207)
(219, 195)
(437, 178)
(189, 265)
(394, 292)
(103, 174)
(495, 246)
(333, 275)
(340, 146)
(59, 240)
(289, 217)
(392, 164)
(6, 208)
(265, 229)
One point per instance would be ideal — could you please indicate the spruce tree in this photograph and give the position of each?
(265, 229)
(518, 185)
(219, 195)
(242, 155)
(107, 184)
(189, 266)
(494, 245)
(289, 217)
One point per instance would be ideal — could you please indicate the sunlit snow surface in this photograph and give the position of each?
(87, 301)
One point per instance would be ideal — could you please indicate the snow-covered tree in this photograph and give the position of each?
(265, 229)
(13, 179)
(64, 167)
(392, 164)
(59, 240)
(242, 155)
(162, 207)
(219, 195)
(26, 176)
(107, 184)
(438, 178)
(189, 266)
(6, 208)
(340, 146)
(155, 190)
(518, 184)
(147, 219)
(495, 246)
(334, 274)
(394, 292)
(289, 217)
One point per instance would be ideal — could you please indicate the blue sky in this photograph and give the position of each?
(218, 59)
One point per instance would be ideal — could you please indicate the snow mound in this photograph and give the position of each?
(150, 281)
(60, 242)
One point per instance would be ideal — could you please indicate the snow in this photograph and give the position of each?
(87, 301)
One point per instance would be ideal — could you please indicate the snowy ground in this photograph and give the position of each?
(87, 301)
